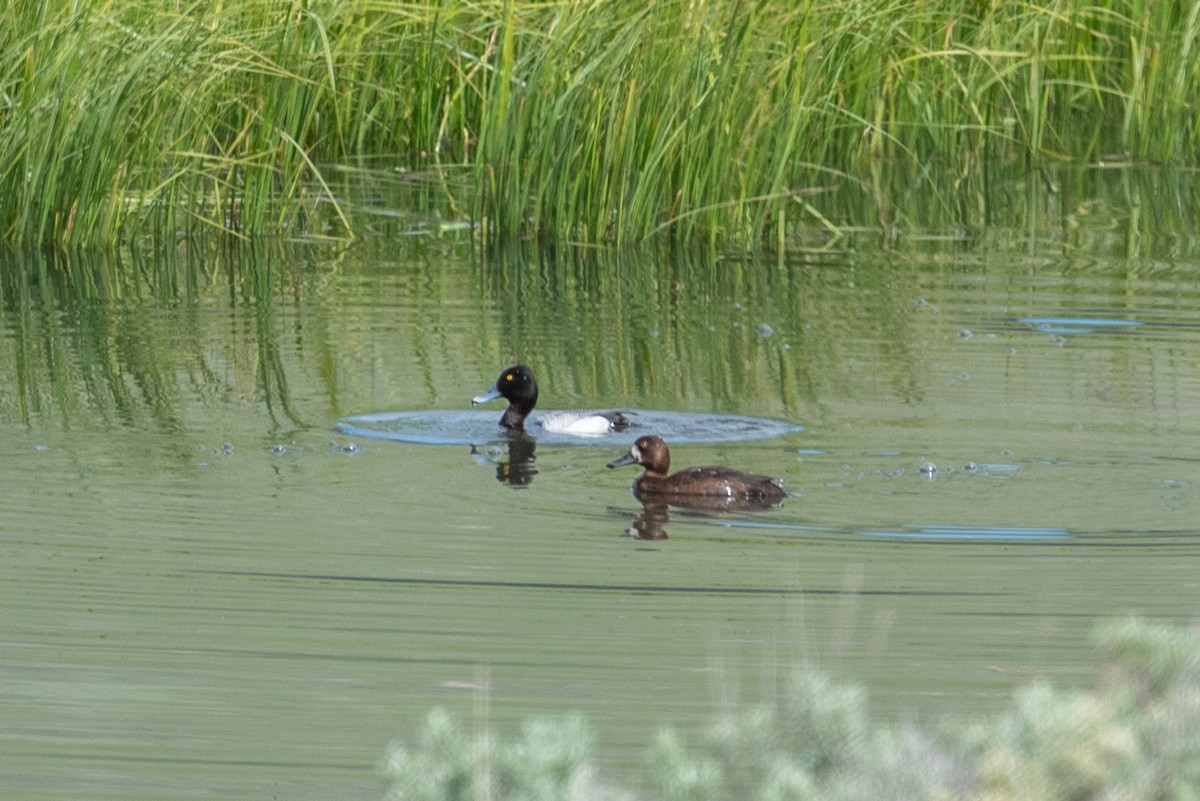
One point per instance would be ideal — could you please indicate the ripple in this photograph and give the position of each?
(441, 427)
(1077, 324)
(972, 533)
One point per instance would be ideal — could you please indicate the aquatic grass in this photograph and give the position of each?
(719, 122)
(1135, 736)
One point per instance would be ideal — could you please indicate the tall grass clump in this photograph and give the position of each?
(722, 120)
(596, 120)
(127, 118)
(1135, 736)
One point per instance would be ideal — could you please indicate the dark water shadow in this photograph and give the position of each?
(590, 587)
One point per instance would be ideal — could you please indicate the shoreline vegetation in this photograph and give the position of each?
(1135, 736)
(722, 122)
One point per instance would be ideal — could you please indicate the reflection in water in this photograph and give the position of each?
(651, 523)
(518, 469)
(90, 340)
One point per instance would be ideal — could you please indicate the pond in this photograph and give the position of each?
(212, 589)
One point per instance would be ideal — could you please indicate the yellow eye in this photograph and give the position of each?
(508, 377)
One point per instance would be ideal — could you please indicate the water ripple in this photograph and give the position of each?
(441, 427)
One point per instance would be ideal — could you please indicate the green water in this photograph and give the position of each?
(208, 591)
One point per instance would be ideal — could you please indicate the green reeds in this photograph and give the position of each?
(720, 121)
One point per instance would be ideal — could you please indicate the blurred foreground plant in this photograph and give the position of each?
(1135, 737)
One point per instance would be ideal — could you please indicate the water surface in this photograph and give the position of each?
(210, 590)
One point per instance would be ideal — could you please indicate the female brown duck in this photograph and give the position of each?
(693, 482)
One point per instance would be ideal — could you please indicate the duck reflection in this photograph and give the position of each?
(651, 523)
(518, 469)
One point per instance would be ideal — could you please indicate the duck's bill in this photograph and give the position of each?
(628, 458)
(484, 397)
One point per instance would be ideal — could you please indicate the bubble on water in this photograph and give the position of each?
(279, 449)
(970, 466)
(928, 469)
(965, 333)
(1059, 340)
(765, 330)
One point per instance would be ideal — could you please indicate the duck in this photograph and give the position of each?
(694, 483)
(518, 386)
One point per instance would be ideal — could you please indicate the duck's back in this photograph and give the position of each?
(713, 481)
(583, 422)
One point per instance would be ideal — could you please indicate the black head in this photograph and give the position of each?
(515, 384)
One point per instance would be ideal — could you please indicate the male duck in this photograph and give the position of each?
(516, 384)
(693, 482)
